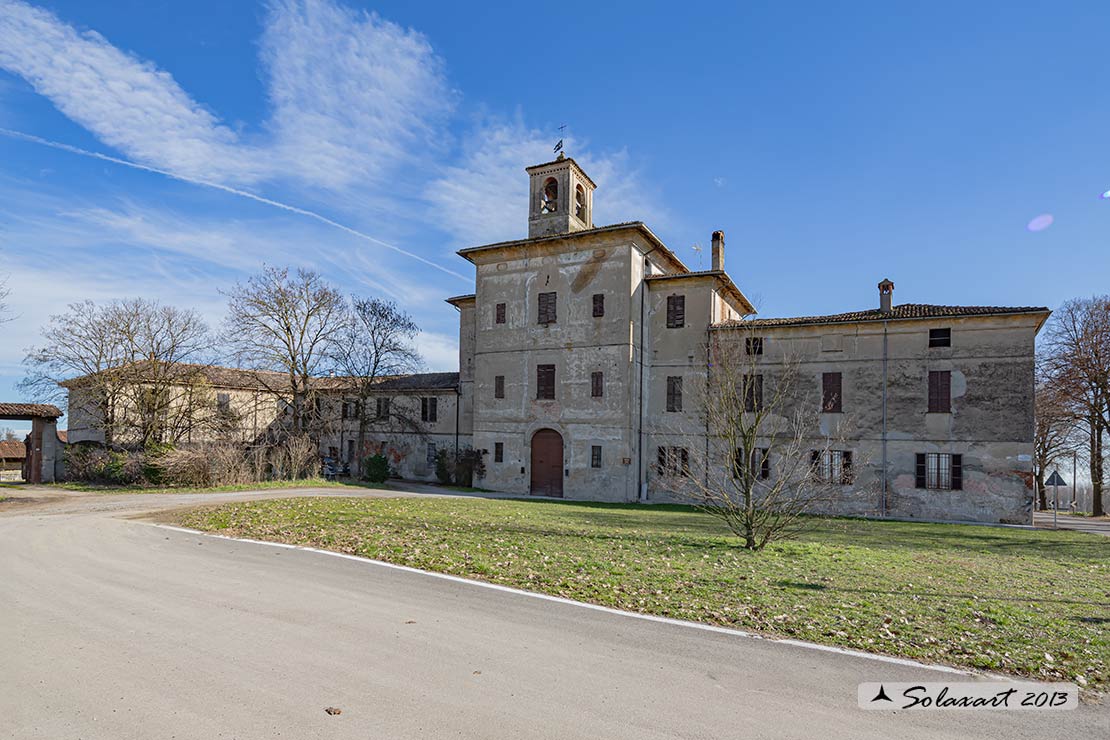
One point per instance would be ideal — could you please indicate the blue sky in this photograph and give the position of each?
(836, 144)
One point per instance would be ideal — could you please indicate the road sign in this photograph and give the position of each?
(1055, 481)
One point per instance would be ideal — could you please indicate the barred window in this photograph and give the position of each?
(499, 386)
(833, 466)
(940, 471)
(429, 409)
(383, 408)
(595, 456)
(431, 459)
(597, 384)
(760, 461)
(499, 452)
(499, 313)
(673, 461)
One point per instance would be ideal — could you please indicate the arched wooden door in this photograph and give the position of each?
(547, 463)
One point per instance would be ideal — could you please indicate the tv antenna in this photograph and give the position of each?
(697, 250)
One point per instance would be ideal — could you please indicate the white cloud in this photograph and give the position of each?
(129, 104)
(440, 351)
(353, 96)
(484, 197)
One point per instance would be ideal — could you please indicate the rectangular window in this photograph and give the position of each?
(429, 409)
(674, 393)
(753, 392)
(344, 409)
(499, 386)
(940, 391)
(545, 382)
(831, 393)
(597, 384)
(676, 311)
(833, 466)
(499, 452)
(599, 305)
(940, 338)
(223, 402)
(761, 461)
(383, 408)
(595, 456)
(753, 345)
(940, 471)
(431, 458)
(547, 308)
(673, 461)
(499, 313)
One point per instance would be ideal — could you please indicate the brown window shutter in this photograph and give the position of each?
(661, 460)
(831, 385)
(676, 311)
(597, 384)
(499, 452)
(946, 391)
(547, 308)
(846, 467)
(499, 312)
(738, 463)
(815, 459)
(684, 456)
(940, 391)
(957, 472)
(433, 409)
(765, 464)
(545, 382)
(920, 471)
(599, 305)
(674, 393)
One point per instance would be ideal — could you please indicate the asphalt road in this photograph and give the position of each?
(113, 628)
(1043, 520)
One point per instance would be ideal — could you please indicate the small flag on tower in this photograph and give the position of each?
(559, 146)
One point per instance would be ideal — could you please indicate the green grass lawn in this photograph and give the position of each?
(260, 486)
(1032, 603)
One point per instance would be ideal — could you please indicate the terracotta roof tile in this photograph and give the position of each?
(28, 410)
(12, 449)
(897, 313)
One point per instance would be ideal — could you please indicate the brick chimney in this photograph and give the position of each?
(719, 250)
(886, 295)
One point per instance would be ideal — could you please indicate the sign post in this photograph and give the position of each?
(1055, 481)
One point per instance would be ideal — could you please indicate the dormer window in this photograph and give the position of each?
(580, 203)
(549, 199)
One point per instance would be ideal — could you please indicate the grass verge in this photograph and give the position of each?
(1030, 603)
(260, 486)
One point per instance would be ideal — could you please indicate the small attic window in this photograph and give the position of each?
(549, 198)
(580, 203)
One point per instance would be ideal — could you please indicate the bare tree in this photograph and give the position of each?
(764, 465)
(375, 342)
(1077, 360)
(128, 367)
(168, 396)
(285, 322)
(1054, 433)
(5, 293)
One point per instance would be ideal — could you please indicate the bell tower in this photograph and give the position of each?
(560, 198)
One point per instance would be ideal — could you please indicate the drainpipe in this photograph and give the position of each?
(707, 400)
(641, 493)
(458, 401)
(883, 498)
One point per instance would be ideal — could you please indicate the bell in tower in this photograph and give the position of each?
(561, 198)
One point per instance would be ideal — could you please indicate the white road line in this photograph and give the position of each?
(595, 607)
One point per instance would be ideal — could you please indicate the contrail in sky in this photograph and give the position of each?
(234, 191)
